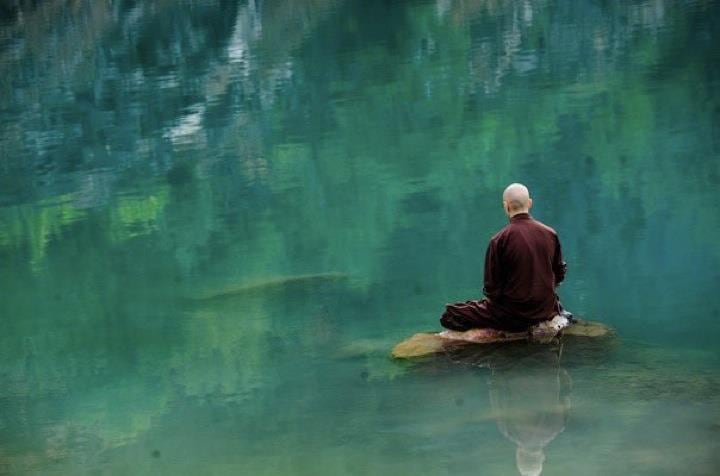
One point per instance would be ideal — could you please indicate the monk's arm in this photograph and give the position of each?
(559, 266)
(492, 280)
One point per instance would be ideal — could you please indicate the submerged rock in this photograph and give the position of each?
(426, 343)
(271, 283)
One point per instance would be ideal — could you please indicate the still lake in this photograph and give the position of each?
(218, 216)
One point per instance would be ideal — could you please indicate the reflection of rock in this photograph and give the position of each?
(188, 128)
(423, 344)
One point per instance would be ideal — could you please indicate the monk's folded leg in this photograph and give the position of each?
(462, 316)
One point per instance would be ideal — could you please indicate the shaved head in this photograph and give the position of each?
(516, 199)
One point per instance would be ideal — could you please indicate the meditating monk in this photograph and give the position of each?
(523, 265)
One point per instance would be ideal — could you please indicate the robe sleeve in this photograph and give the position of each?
(493, 281)
(559, 266)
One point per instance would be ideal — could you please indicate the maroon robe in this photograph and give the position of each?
(523, 265)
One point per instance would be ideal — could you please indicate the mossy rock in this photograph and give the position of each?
(582, 328)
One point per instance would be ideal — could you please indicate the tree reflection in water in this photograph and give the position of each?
(529, 394)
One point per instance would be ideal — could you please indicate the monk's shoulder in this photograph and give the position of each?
(544, 227)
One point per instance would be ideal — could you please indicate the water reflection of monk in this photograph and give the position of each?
(530, 397)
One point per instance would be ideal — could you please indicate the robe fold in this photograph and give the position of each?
(523, 265)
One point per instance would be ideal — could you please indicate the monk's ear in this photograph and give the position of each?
(529, 203)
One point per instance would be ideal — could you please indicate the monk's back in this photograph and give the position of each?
(526, 251)
(523, 264)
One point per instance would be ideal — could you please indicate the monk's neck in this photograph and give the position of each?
(519, 216)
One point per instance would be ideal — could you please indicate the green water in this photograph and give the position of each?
(217, 217)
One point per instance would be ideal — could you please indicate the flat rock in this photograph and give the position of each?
(428, 343)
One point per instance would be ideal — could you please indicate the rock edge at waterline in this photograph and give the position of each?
(427, 343)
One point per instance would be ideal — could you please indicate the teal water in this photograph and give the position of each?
(217, 217)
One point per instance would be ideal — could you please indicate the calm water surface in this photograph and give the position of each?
(218, 216)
